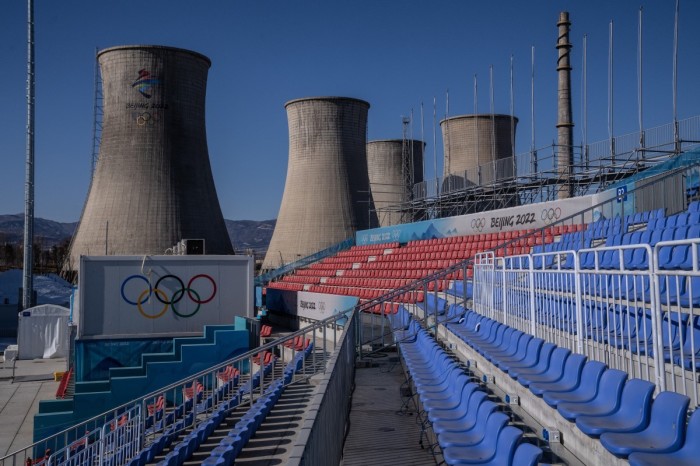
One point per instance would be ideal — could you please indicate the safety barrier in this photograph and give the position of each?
(634, 307)
(263, 279)
(192, 401)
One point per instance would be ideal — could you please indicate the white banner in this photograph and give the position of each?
(130, 297)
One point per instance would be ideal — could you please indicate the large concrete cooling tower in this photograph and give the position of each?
(153, 184)
(471, 141)
(326, 196)
(387, 177)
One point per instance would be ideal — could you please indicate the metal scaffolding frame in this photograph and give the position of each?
(595, 167)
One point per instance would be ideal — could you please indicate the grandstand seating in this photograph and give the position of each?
(371, 271)
(177, 430)
(620, 411)
(456, 407)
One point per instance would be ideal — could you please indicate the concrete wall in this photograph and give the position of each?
(386, 177)
(326, 194)
(153, 183)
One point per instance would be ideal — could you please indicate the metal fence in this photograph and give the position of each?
(186, 404)
(634, 307)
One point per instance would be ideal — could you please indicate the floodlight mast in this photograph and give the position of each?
(28, 279)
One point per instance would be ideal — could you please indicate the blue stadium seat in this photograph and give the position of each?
(686, 455)
(689, 357)
(586, 389)
(539, 365)
(497, 446)
(526, 454)
(527, 358)
(567, 382)
(469, 422)
(517, 340)
(494, 422)
(462, 418)
(664, 434)
(552, 373)
(606, 401)
(632, 415)
(668, 255)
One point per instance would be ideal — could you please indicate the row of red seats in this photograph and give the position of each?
(384, 308)
(388, 283)
(367, 293)
(382, 246)
(301, 279)
(228, 373)
(412, 264)
(286, 286)
(298, 344)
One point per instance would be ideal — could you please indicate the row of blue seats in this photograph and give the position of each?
(469, 427)
(602, 402)
(600, 229)
(186, 447)
(688, 218)
(234, 441)
(670, 257)
(626, 327)
(232, 444)
(458, 289)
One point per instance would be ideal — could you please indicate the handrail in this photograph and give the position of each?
(141, 401)
(63, 386)
(262, 279)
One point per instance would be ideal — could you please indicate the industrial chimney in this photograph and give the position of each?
(386, 164)
(565, 125)
(326, 196)
(152, 185)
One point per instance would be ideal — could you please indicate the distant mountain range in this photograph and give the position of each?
(46, 232)
(244, 234)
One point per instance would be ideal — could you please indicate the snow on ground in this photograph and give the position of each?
(50, 289)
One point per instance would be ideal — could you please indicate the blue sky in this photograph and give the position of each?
(393, 54)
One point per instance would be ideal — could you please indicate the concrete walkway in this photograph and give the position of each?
(19, 399)
(382, 430)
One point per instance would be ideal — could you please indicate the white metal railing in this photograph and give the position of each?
(184, 404)
(112, 444)
(634, 307)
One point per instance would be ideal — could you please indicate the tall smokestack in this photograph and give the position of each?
(565, 126)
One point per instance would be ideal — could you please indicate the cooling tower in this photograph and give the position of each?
(473, 141)
(152, 184)
(387, 177)
(326, 196)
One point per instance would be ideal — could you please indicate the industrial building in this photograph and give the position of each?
(152, 185)
(327, 195)
(394, 166)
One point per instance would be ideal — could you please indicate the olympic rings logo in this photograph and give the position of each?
(551, 214)
(168, 301)
(478, 224)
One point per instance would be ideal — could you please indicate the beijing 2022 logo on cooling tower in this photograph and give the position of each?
(137, 290)
(145, 83)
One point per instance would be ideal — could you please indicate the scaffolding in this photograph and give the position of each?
(97, 116)
(595, 167)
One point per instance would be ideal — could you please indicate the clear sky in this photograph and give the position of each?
(394, 54)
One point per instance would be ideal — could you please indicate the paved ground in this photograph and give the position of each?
(19, 399)
(382, 430)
